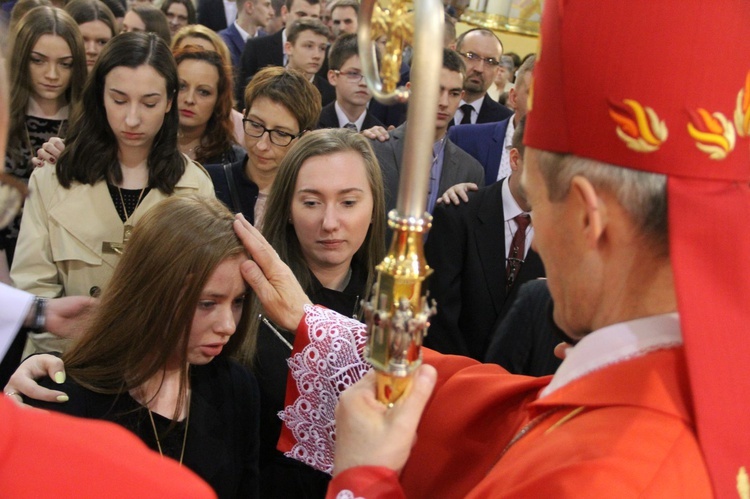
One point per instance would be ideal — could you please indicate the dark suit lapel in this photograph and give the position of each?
(483, 116)
(370, 121)
(397, 136)
(277, 48)
(328, 117)
(494, 153)
(532, 268)
(236, 38)
(449, 175)
(489, 235)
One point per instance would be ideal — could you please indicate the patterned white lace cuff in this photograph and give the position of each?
(328, 362)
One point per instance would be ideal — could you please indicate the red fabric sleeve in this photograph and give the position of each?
(54, 455)
(365, 482)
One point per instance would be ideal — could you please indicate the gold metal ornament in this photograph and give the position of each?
(398, 312)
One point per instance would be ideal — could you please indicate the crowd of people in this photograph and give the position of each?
(193, 205)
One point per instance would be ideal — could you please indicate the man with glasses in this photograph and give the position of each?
(352, 96)
(481, 50)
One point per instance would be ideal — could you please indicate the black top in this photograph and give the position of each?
(247, 190)
(18, 163)
(281, 476)
(126, 199)
(222, 440)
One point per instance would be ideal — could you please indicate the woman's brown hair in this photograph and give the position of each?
(280, 233)
(146, 313)
(219, 134)
(37, 22)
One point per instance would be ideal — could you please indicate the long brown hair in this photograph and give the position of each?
(280, 233)
(219, 134)
(37, 22)
(91, 150)
(146, 313)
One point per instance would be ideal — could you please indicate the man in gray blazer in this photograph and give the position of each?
(450, 165)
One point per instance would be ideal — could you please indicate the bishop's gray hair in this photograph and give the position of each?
(643, 195)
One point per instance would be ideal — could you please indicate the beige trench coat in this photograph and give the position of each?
(59, 250)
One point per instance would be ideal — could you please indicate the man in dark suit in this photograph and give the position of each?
(468, 248)
(489, 143)
(269, 50)
(481, 50)
(213, 15)
(305, 47)
(450, 165)
(350, 108)
(252, 15)
(524, 341)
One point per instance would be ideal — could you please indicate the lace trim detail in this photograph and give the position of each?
(331, 362)
(347, 494)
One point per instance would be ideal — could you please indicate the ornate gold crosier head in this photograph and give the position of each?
(398, 312)
(390, 21)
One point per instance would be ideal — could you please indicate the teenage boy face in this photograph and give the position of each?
(350, 86)
(307, 52)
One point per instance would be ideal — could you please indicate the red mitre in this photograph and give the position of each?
(664, 86)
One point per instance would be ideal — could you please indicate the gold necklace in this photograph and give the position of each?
(127, 228)
(184, 437)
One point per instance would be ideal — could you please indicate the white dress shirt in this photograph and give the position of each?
(14, 306)
(616, 343)
(230, 11)
(510, 211)
(343, 120)
(504, 170)
(477, 105)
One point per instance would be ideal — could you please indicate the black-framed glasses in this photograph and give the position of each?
(12, 194)
(352, 76)
(256, 130)
(490, 61)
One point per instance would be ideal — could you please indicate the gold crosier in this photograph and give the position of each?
(397, 313)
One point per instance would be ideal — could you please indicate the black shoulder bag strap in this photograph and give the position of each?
(232, 188)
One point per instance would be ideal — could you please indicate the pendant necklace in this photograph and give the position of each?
(127, 228)
(184, 437)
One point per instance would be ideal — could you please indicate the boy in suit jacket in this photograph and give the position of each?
(467, 248)
(352, 96)
(307, 40)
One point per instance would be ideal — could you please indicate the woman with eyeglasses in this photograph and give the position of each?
(281, 106)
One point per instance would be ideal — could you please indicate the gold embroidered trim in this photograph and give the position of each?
(713, 133)
(638, 126)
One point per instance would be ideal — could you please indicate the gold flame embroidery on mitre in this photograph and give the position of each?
(638, 126)
(742, 111)
(713, 133)
(743, 484)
